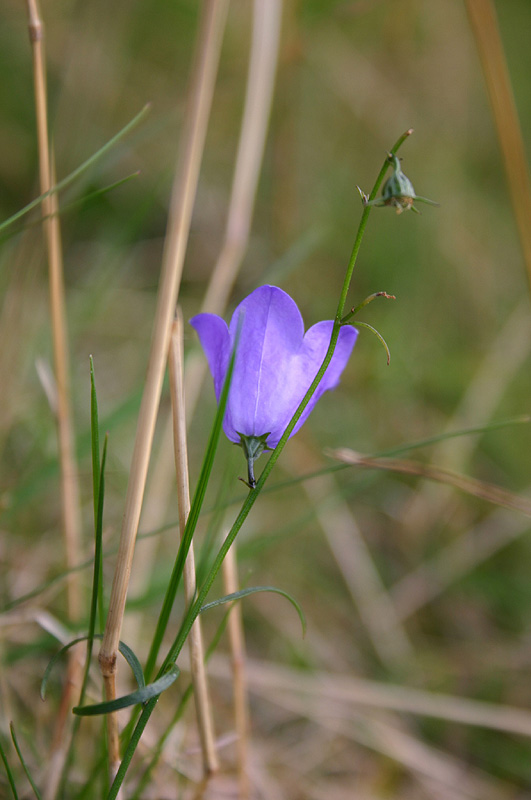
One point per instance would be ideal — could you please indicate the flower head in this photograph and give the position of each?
(275, 364)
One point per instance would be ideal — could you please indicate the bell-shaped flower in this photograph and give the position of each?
(275, 365)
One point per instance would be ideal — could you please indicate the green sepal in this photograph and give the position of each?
(398, 191)
(253, 447)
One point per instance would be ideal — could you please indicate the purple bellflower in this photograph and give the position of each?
(275, 364)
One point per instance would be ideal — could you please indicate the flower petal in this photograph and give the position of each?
(271, 335)
(215, 341)
(275, 362)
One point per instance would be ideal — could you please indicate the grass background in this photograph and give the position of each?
(352, 76)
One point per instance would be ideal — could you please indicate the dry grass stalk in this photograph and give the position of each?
(462, 555)
(197, 661)
(354, 561)
(183, 195)
(51, 225)
(484, 24)
(342, 693)
(494, 373)
(71, 519)
(237, 648)
(258, 99)
(484, 491)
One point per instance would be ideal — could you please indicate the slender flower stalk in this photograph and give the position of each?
(253, 495)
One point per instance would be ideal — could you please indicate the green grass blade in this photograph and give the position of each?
(193, 516)
(7, 768)
(124, 649)
(78, 171)
(229, 598)
(95, 441)
(142, 695)
(68, 207)
(23, 762)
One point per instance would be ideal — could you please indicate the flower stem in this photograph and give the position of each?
(195, 609)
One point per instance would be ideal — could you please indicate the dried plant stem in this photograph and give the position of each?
(258, 99)
(484, 491)
(51, 225)
(355, 563)
(259, 92)
(71, 520)
(197, 661)
(183, 195)
(237, 647)
(482, 16)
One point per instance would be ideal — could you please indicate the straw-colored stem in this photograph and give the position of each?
(51, 225)
(71, 521)
(258, 98)
(197, 661)
(238, 656)
(482, 16)
(182, 200)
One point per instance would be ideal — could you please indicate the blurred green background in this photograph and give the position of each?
(352, 76)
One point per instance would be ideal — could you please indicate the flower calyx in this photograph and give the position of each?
(398, 191)
(253, 447)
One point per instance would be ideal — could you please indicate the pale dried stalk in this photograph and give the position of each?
(484, 491)
(258, 99)
(52, 230)
(237, 648)
(183, 195)
(355, 562)
(342, 692)
(482, 16)
(197, 660)
(70, 511)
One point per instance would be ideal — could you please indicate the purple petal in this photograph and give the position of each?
(275, 362)
(215, 341)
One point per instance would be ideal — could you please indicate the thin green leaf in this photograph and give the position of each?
(135, 698)
(134, 663)
(124, 649)
(193, 516)
(22, 761)
(68, 207)
(77, 172)
(8, 771)
(229, 598)
(378, 336)
(95, 440)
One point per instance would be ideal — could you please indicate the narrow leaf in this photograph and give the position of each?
(22, 761)
(77, 172)
(193, 516)
(124, 649)
(229, 598)
(378, 336)
(8, 771)
(133, 699)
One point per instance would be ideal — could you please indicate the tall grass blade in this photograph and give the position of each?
(193, 516)
(78, 171)
(23, 762)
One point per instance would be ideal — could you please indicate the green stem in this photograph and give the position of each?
(195, 609)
